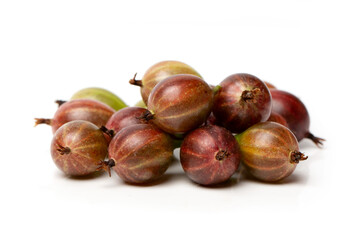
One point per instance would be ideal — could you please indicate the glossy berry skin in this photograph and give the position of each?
(101, 95)
(141, 152)
(81, 109)
(293, 110)
(210, 155)
(269, 151)
(180, 103)
(159, 72)
(275, 117)
(126, 117)
(242, 101)
(79, 148)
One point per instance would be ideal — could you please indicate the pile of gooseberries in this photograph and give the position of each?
(243, 123)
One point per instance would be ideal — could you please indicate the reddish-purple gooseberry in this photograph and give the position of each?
(269, 151)
(242, 101)
(210, 155)
(126, 117)
(158, 72)
(180, 103)
(293, 110)
(141, 153)
(79, 148)
(82, 109)
(274, 117)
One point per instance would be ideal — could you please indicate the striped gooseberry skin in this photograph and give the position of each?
(81, 109)
(142, 153)
(242, 101)
(210, 155)
(78, 148)
(160, 71)
(180, 103)
(126, 117)
(269, 151)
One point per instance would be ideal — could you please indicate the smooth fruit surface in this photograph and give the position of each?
(293, 110)
(180, 103)
(275, 117)
(141, 153)
(101, 95)
(79, 148)
(242, 101)
(160, 71)
(126, 117)
(269, 151)
(81, 109)
(210, 155)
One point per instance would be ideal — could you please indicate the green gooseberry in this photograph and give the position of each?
(101, 95)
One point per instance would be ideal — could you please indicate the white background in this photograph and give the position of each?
(51, 49)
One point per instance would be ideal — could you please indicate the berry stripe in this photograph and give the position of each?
(135, 150)
(127, 141)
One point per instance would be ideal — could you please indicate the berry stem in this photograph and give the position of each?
(108, 132)
(296, 157)
(63, 150)
(221, 155)
(106, 165)
(60, 102)
(249, 95)
(318, 141)
(42, 121)
(135, 82)
(146, 116)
